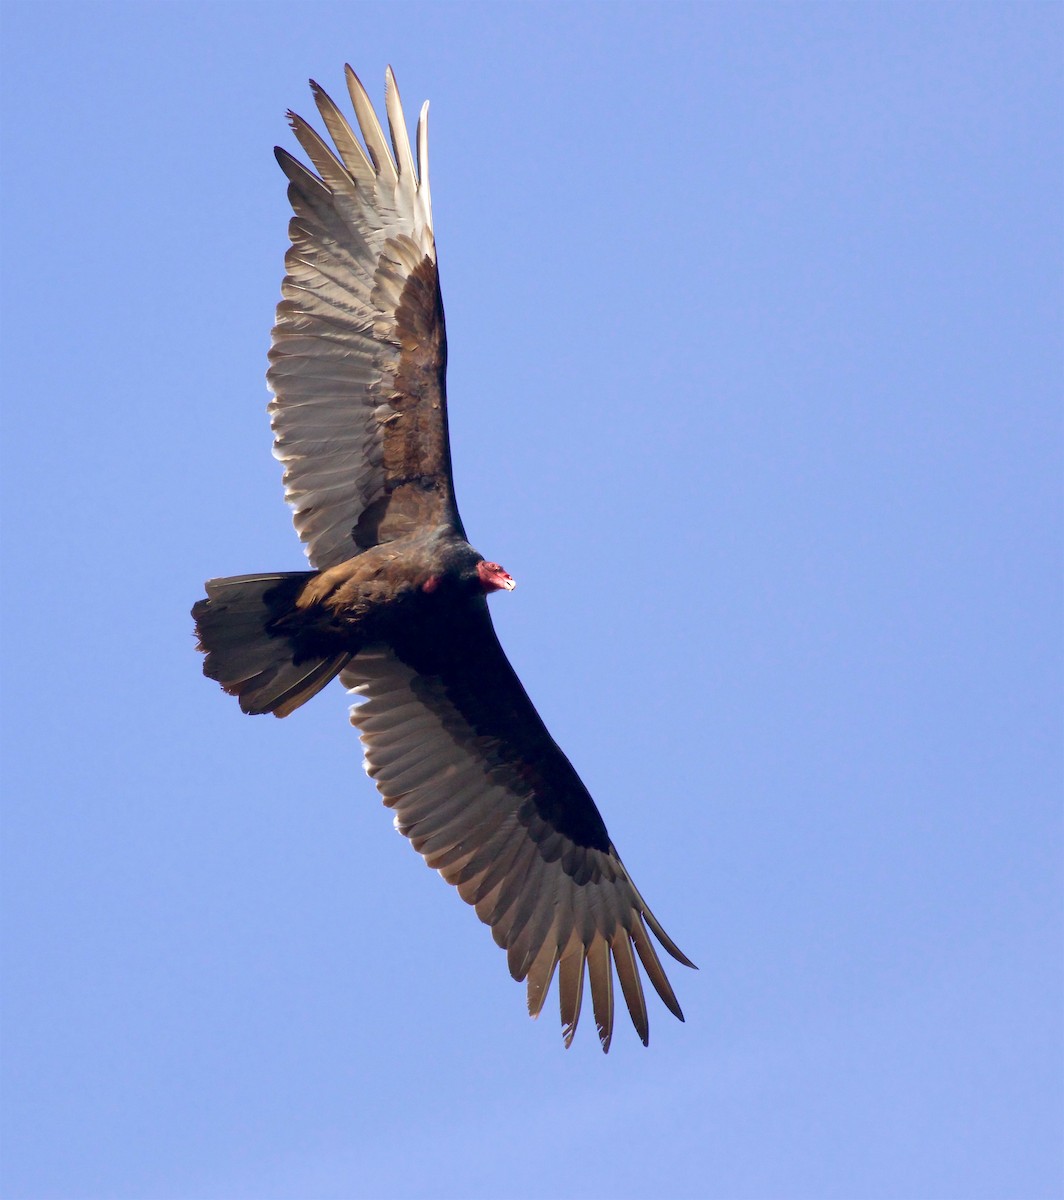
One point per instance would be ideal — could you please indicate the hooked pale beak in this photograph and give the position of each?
(493, 578)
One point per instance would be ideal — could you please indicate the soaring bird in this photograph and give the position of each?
(396, 604)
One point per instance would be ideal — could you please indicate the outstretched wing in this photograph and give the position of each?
(359, 350)
(490, 801)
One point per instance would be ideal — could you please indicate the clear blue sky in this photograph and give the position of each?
(755, 325)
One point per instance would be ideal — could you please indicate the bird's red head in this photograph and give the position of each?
(493, 578)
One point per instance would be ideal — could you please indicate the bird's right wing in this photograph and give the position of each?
(489, 800)
(359, 348)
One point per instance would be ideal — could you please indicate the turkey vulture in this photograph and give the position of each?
(397, 602)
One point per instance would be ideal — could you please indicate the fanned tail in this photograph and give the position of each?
(252, 651)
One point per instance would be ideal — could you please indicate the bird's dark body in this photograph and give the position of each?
(422, 596)
(397, 605)
(317, 621)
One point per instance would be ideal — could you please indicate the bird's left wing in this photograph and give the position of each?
(359, 349)
(489, 800)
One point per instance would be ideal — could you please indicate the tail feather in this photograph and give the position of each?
(261, 694)
(250, 651)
